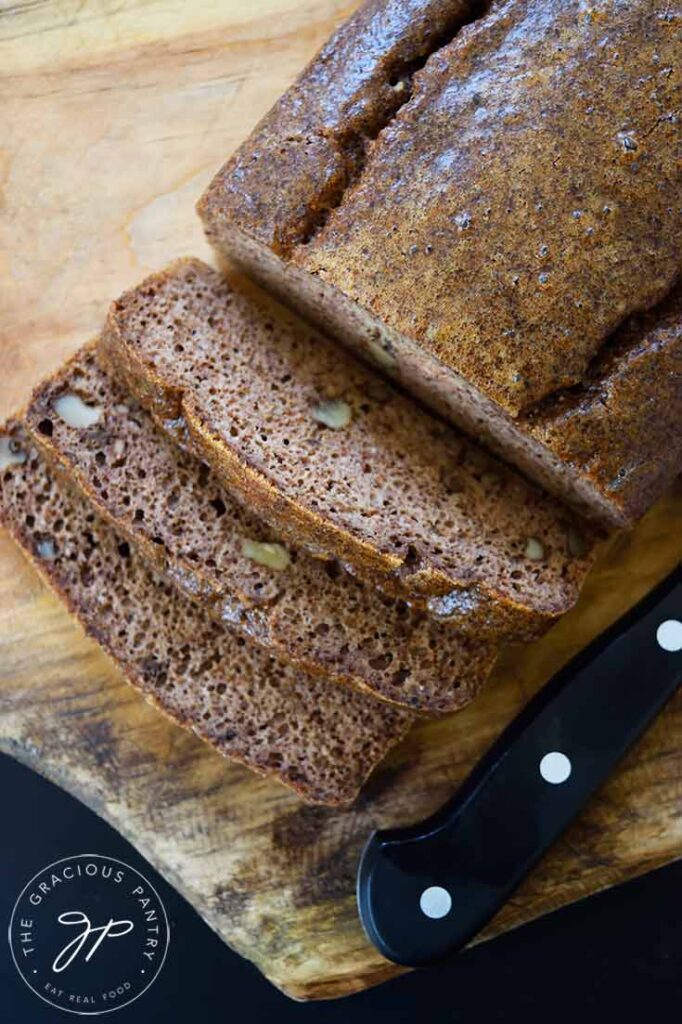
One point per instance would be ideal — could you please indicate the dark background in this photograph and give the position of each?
(614, 956)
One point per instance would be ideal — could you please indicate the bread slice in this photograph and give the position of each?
(191, 530)
(320, 740)
(315, 443)
(483, 236)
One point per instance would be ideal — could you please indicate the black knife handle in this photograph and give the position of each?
(426, 890)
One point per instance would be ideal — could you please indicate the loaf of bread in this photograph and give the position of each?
(320, 740)
(171, 507)
(336, 459)
(478, 209)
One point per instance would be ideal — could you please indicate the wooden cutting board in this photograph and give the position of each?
(114, 115)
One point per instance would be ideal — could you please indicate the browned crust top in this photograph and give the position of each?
(304, 153)
(522, 203)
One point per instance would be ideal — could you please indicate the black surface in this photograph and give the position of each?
(485, 840)
(617, 955)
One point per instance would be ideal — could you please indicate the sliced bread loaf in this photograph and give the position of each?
(483, 235)
(320, 740)
(332, 457)
(189, 528)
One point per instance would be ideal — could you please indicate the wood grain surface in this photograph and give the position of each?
(114, 114)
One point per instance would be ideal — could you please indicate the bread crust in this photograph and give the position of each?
(303, 152)
(502, 278)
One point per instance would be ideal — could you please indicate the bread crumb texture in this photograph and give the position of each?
(320, 740)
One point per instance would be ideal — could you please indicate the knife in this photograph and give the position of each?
(424, 891)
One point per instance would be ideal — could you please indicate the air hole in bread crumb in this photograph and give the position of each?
(86, 576)
(381, 662)
(411, 559)
(45, 427)
(219, 507)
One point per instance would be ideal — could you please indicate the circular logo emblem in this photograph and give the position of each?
(89, 934)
